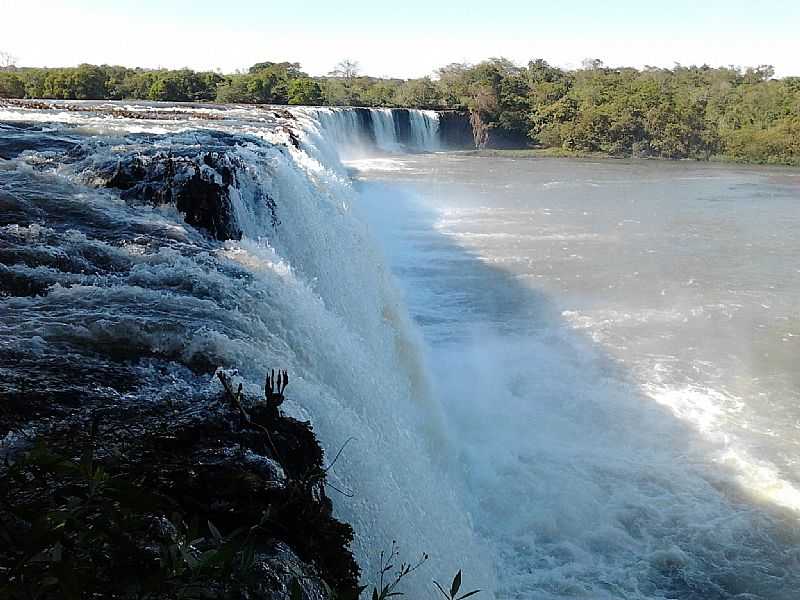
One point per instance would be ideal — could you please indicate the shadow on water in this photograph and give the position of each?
(584, 486)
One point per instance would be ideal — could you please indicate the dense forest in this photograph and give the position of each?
(685, 112)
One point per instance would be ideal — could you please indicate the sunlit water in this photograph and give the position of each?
(615, 345)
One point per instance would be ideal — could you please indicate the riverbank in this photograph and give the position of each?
(564, 153)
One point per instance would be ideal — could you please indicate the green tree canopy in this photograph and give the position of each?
(682, 112)
(305, 91)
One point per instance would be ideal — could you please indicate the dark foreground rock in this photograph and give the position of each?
(175, 498)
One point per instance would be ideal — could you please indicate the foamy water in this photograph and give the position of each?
(614, 363)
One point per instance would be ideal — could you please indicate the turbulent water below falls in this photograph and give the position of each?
(557, 374)
(614, 345)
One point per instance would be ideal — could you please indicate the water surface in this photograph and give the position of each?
(615, 345)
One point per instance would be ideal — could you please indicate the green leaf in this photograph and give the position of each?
(214, 531)
(456, 585)
(472, 593)
(375, 594)
(190, 560)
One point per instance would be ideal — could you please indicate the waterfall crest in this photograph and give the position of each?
(385, 129)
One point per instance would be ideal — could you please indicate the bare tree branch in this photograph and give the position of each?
(7, 59)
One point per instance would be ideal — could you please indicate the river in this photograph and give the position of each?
(615, 345)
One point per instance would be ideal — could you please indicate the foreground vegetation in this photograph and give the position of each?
(685, 112)
(222, 501)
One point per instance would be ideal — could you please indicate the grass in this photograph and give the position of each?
(535, 153)
(565, 153)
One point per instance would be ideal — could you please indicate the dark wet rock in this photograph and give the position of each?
(198, 182)
(294, 139)
(491, 136)
(277, 569)
(283, 113)
(402, 125)
(455, 130)
(178, 462)
(197, 185)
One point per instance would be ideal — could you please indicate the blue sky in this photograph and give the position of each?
(399, 38)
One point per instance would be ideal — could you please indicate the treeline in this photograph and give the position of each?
(264, 83)
(684, 112)
(267, 83)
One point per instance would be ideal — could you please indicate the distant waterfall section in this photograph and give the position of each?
(387, 129)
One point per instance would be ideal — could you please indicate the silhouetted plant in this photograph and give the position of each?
(274, 388)
(455, 586)
(389, 581)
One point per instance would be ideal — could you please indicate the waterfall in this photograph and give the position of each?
(424, 129)
(386, 136)
(304, 288)
(363, 130)
(147, 251)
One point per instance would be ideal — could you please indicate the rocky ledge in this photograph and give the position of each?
(218, 499)
(455, 130)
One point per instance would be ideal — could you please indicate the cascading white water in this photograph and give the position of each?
(316, 298)
(385, 131)
(425, 129)
(341, 126)
(362, 373)
(362, 130)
